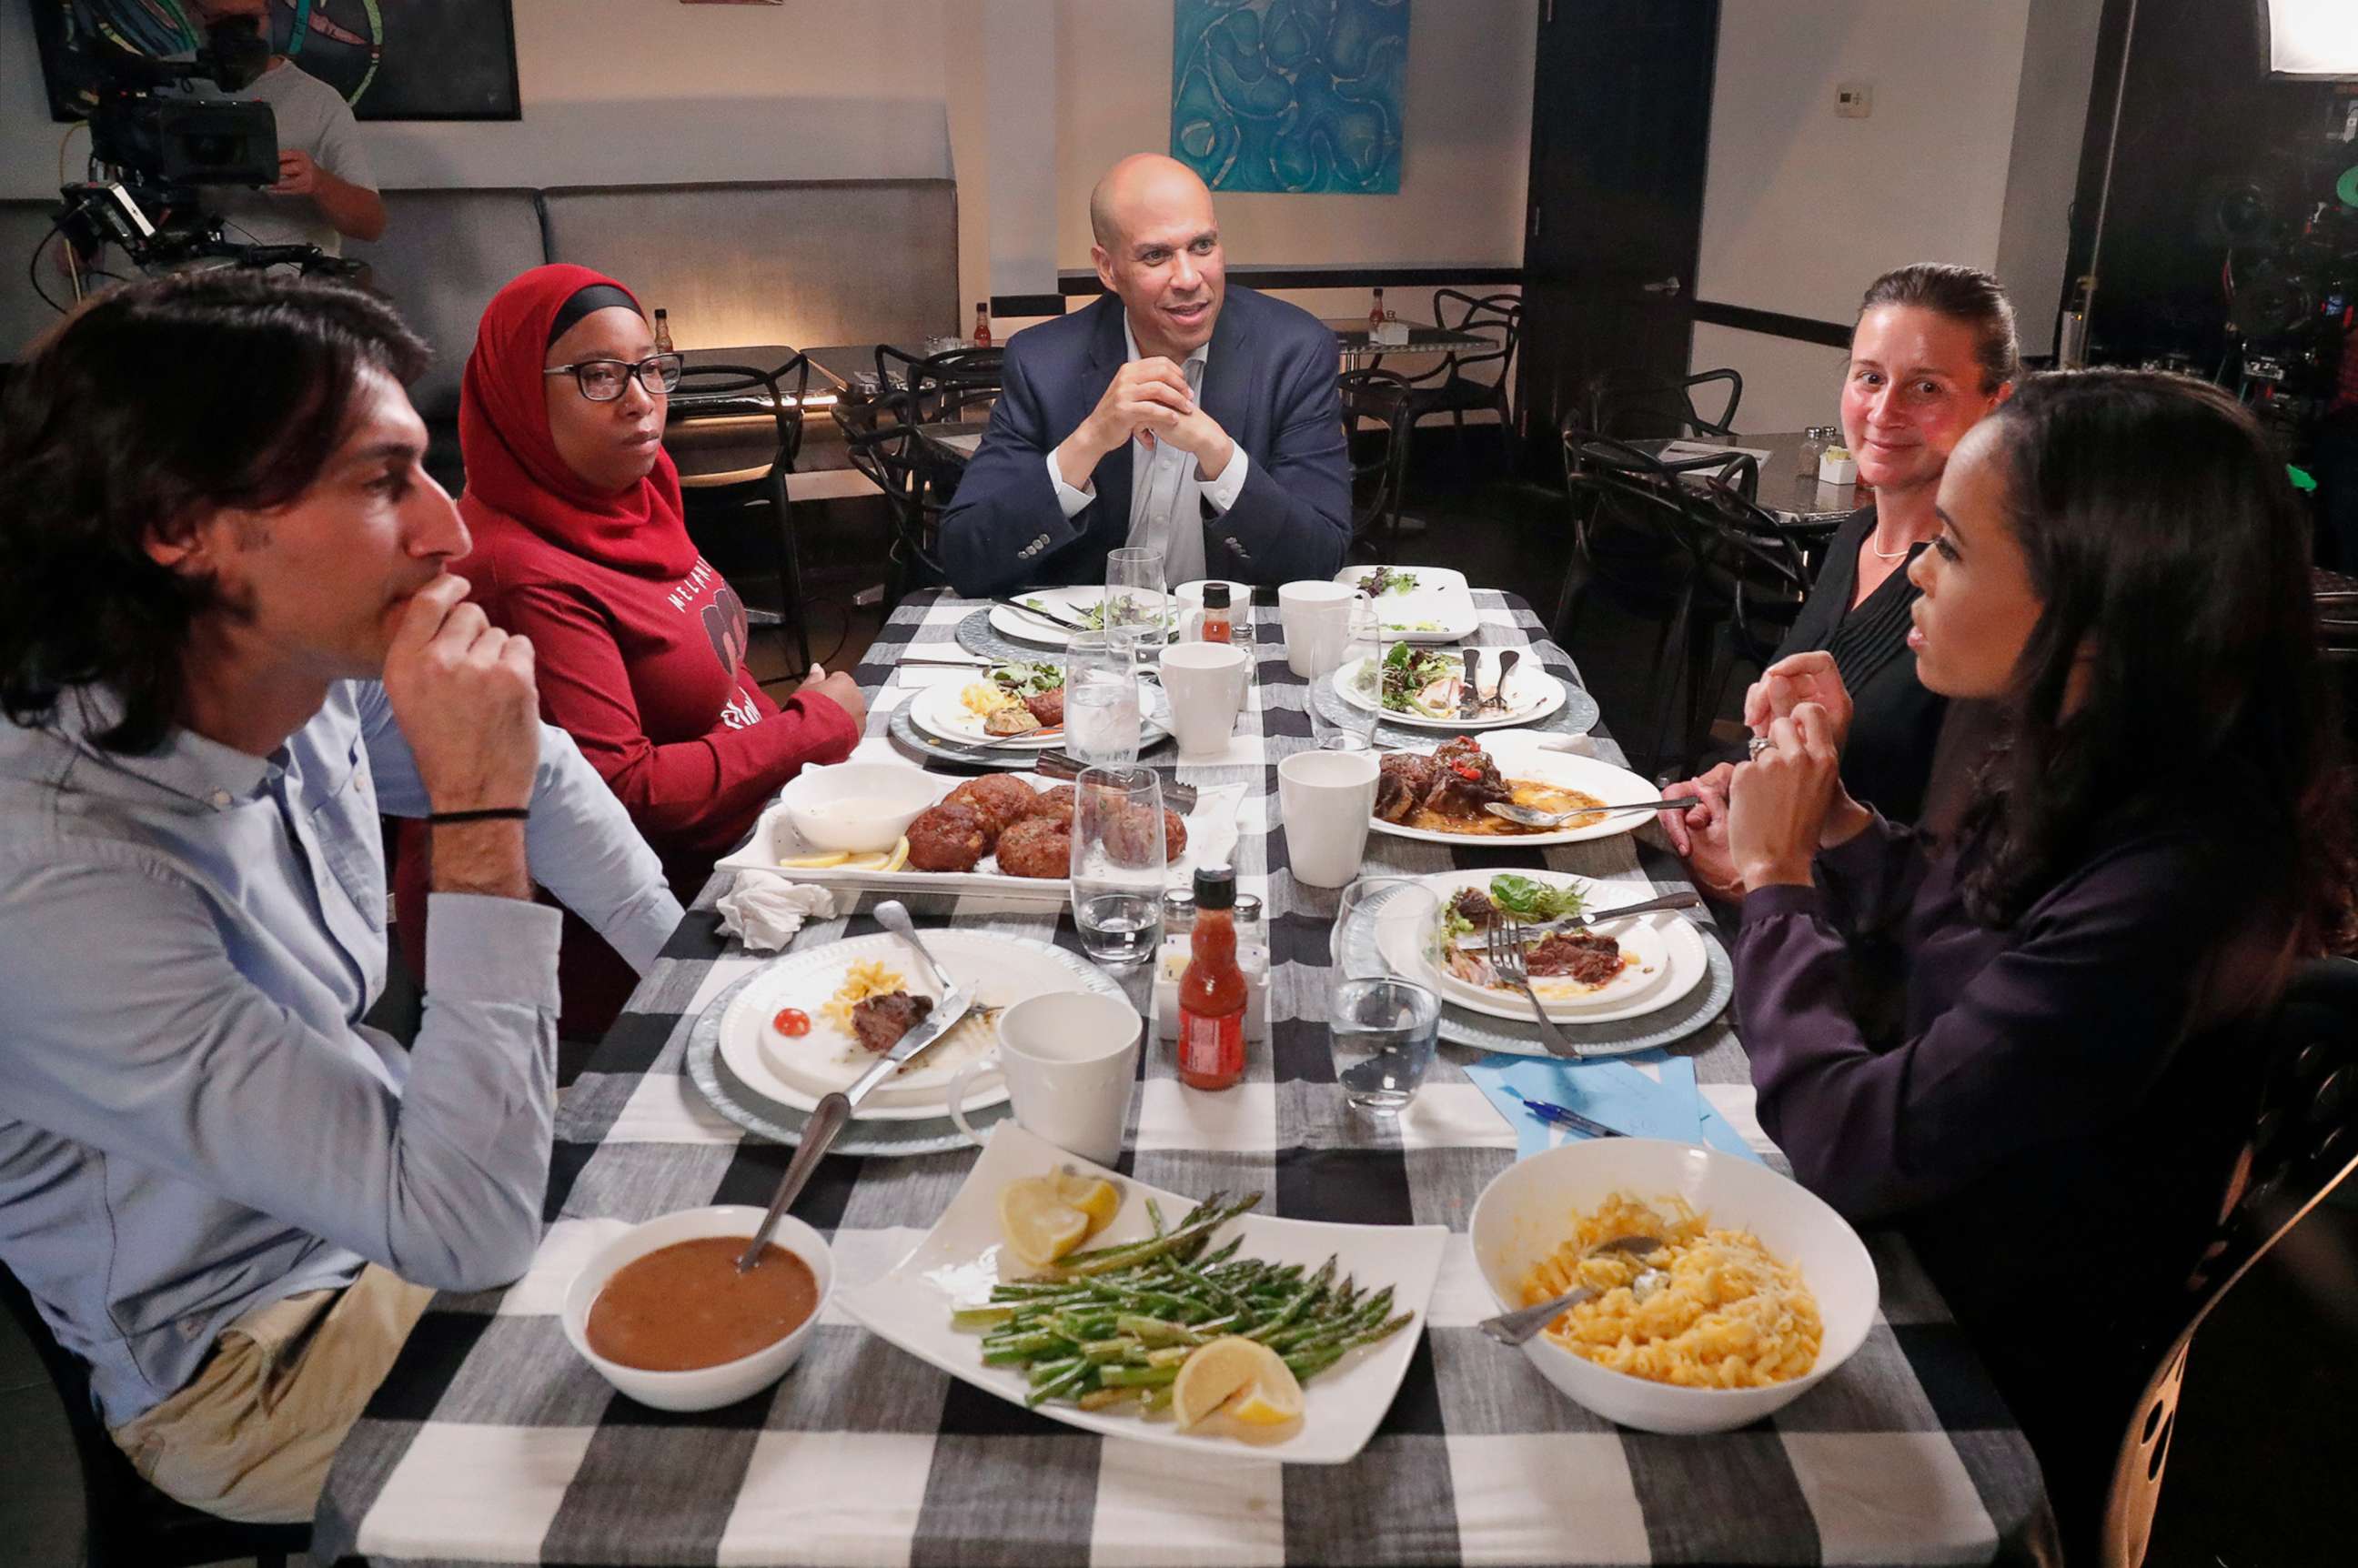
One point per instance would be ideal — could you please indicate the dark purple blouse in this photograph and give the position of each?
(2045, 1127)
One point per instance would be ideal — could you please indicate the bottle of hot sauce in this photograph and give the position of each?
(1219, 625)
(982, 323)
(1212, 993)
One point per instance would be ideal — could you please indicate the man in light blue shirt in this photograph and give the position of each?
(228, 642)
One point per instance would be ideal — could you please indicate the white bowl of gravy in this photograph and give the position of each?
(663, 1313)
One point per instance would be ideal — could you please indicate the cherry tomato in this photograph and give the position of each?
(792, 1021)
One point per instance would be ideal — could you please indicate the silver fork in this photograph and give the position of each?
(1498, 697)
(1506, 955)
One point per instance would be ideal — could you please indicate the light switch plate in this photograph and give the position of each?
(1854, 100)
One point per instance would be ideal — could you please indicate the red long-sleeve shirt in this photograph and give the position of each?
(647, 676)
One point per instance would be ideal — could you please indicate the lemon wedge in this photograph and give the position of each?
(868, 860)
(815, 862)
(1039, 1225)
(1273, 1400)
(1240, 1369)
(899, 857)
(1093, 1195)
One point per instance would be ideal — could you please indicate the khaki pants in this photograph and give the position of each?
(251, 1436)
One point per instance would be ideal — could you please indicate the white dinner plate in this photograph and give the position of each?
(1438, 609)
(1532, 695)
(937, 710)
(1518, 758)
(798, 1072)
(1665, 971)
(1071, 603)
(962, 1257)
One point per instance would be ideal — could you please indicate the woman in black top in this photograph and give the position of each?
(1932, 353)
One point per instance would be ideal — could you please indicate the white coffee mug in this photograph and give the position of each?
(1205, 683)
(1326, 799)
(1317, 617)
(1069, 1060)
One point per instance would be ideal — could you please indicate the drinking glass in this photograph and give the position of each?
(1347, 727)
(1118, 862)
(1101, 721)
(1383, 1023)
(1137, 608)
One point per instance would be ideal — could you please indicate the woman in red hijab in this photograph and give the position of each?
(574, 507)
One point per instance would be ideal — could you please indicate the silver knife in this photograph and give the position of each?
(834, 1111)
(1469, 700)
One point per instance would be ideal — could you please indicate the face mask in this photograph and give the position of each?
(238, 51)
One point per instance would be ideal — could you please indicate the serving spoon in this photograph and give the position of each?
(1515, 1327)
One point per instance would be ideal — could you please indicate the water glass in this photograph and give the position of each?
(1337, 723)
(1118, 861)
(1383, 1023)
(1101, 718)
(1137, 607)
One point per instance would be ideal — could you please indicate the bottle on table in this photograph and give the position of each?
(1815, 440)
(1218, 624)
(1212, 992)
(663, 333)
(1376, 312)
(982, 323)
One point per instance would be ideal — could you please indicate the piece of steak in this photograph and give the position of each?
(1463, 778)
(1474, 905)
(1402, 780)
(1582, 956)
(880, 1021)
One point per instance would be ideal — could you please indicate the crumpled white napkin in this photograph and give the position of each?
(1580, 745)
(763, 911)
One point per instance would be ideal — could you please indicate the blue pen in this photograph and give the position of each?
(1563, 1118)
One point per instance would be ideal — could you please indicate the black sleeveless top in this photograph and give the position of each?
(1895, 721)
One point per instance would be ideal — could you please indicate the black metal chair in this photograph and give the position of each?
(1631, 407)
(944, 386)
(733, 458)
(1660, 547)
(1375, 434)
(881, 440)
(1446, 388)
(130, 1523)
(2303, 1143)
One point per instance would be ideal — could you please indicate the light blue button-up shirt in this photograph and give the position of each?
(193, 1121)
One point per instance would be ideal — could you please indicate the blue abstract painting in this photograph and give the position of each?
(1294, 95)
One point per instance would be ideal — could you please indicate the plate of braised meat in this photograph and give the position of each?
(1440, 794)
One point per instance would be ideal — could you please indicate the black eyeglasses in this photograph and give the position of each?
(601, 381)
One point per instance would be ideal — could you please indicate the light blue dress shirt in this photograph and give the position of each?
(193, 1121)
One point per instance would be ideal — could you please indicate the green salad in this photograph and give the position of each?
(1092, 617)
(1024, 678)
(1387, 580)
(1416, 680)
(1521, 897)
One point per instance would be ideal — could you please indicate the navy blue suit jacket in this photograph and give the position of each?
(1268, 382)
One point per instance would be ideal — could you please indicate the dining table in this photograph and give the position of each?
(491, 1441)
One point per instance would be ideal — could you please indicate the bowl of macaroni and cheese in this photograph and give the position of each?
(1757, 1292)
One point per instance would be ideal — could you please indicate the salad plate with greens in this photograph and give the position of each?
(1418, 604)
(1083, 606)
(1425, 687)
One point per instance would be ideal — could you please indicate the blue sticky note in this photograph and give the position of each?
(1721, 1135)
(1615, 1093)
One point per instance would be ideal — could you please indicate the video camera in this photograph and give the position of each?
(161, 146)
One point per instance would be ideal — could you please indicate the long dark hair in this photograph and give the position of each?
(1965, 295)
(155, 405)
(2172, 563)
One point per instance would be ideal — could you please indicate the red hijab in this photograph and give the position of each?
(512, 466)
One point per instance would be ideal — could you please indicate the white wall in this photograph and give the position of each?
(1969, 156)
(1463, 175)
(625, 90)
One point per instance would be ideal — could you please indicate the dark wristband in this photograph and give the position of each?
(489, 813)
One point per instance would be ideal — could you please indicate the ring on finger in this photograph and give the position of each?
(1757, 744)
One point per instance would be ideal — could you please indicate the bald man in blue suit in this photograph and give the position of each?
(1174, 414)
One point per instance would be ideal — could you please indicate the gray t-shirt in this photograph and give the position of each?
(312, 118)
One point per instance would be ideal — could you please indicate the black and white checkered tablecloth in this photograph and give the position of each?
(491, 1442)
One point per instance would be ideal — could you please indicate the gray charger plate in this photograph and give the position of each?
(1647, 1031)
(1576, 716)
(758, 1113)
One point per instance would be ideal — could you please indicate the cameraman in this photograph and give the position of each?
(326, 186)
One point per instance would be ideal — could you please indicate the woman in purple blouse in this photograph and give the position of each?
(2055, 1122)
